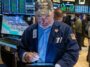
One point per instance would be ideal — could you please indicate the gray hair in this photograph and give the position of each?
(38, 4)
(43, 6)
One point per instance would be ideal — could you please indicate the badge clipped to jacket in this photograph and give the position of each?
(34, 33)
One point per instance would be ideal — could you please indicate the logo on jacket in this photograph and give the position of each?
(59, 39)
(35, 33)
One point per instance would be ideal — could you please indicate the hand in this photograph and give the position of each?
(57, 65)
(31, 57)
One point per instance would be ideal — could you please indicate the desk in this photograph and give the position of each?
(8, 45)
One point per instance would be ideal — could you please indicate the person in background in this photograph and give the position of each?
(84, 24)
(64, 16)
(48, 41)
(73, 19)
(68, 20)
(88, 29)
(78, 30)
(58, 15)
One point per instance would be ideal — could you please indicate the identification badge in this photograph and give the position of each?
(35, 33)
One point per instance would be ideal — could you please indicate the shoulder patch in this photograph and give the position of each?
(73, 36)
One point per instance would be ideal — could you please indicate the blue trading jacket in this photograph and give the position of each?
(62, 48)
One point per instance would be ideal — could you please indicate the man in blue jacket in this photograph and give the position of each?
(48, 41)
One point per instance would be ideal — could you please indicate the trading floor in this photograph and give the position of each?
(82, 57)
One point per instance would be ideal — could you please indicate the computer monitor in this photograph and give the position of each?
(89, 9)
(81, 9)
(13, 25)
(69, 0)
(0, 7)
(56, 1)
(56, 5)
(67, 7)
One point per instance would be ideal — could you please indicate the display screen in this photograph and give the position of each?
(69, 0)
(10, 6)
(0, 7)
(18, 7)
(21, 7)
(14, 6)
(81, 9)
(56, 1)
(30, 7)
(67, 7)
(6, 6)
(14, 25)
(56, 5)
(89, 9)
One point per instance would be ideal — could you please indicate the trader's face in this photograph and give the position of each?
(45, 20)
(44, 15)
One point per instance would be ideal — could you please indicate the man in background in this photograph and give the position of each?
(78, 30)
(58, 15)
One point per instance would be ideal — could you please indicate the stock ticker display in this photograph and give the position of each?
(21, 6)
(27, 7)
(89, 9)
(0, 7)
(6, 6)
(14, 7)
(70, 7)
(56, 5)
(67, 7)
(81, 9)
(56, 1)
(18, 7)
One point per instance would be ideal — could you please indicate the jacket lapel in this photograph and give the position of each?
(35, 40)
